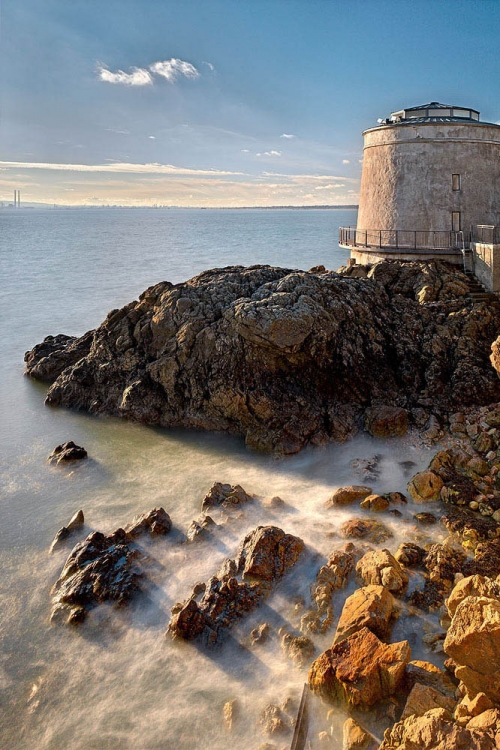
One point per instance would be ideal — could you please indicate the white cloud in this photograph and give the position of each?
(345, 161)
(117, 130)
(269, 153)
(120, 167)
(330, 187)
(287, 135)
(136, 77)
(152, 137)
(245, 151)
(360, 161)
(209, 65)
(173, 68)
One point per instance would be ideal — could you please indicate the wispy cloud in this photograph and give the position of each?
(209, 65)
(152, 137)
(345, 161)
(136, 77)
(331, 186)
(173, 68)
(287, 135)
(269, 153)
(120, 167)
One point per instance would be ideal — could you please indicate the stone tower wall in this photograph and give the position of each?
(406, 182)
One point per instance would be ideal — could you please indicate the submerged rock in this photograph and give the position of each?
(69, 451)
(156, 521)
(329, 578)
(369, 529)
(299, 649)
(348, 495)
(225, 496)
(279, 356)
(264, 556)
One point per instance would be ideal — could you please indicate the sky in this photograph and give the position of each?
(224, 102)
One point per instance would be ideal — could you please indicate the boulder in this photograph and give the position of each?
(375, 503)
(369, 529)
(241, 584)
(386, 421)
(475, 585)
(410, 554)
(200, 528)
(260, 634)
(436, 730)
(354, 737)
(371, 607)
(425, 673)
(348, 495)
(273, 721)
(156, 521)
(359, 671)
(230, 713)
(99, 569)
(299, 649)
(423, 698)
(425, 487)
(69, 451)
(380, 568)
(473, 642)
(225, 496)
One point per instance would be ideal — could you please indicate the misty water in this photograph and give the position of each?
(117, 683)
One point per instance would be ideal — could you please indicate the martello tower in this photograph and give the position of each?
(431, 176)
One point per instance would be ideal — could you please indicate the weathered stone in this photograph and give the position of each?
(156, 521)
(273, 721)
(425, 519)
(380, 568)
(241, 584)
(375, 503)
(69, 451)
(475, 585)
(354, 737)
(98, 569)
(200, 528)
(224, 496)
(428, 674)
(230, 713)
(359, 671)
(425, 487)
(260, 634)
(386, 421)
(423, 698)
(369, 529)
(436, 730)
(279, 356)
(348, 495)
(371, 607)
(329, 578)
(410, 554)
(299, 649)
(76, 522)
(473, 642)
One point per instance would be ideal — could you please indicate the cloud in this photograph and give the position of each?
(245, 151)
(269, 153)
(330, 187)
(119, 167)
(118, 131)
(209, 65)
(287, 135)
(152, 137)
(345, 161)
(173, 68)
(136, 77)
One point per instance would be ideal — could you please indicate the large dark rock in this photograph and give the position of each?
(264, 556)
(69, 451)
(281, 357)
(98, 569)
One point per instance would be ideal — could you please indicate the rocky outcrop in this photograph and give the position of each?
(348, 495)
(225, 496)
(299, 648)
(156, 521)
(359, 671)
(386, 421)
(329, 578)
(241, 584)
(425, 487)
(281, 357)
(365, 528)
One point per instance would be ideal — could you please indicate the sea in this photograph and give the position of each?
(118, 682)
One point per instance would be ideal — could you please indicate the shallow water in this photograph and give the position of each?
(117, 682)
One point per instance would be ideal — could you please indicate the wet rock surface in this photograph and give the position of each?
(282, 357)
(76, 523)
(241, 584)
(69, 451)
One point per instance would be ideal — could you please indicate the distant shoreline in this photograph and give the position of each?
(185, 208)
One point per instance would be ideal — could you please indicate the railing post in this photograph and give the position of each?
(380, 238)
(415, 238)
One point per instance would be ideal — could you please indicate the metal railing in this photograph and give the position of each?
(404, 239)
(486, 233)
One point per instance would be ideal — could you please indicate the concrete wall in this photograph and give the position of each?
(486, 265)
(366, 256)
(407, 176)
